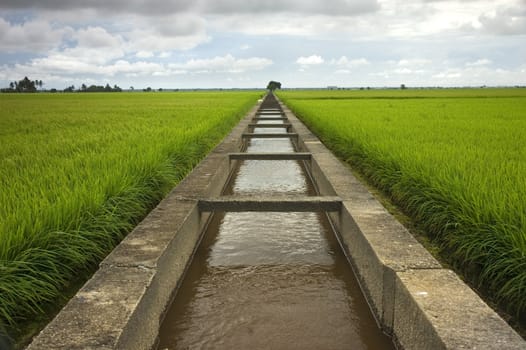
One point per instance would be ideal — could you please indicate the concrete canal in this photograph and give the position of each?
(273, 280)
(254, 250)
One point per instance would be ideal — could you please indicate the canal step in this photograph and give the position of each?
(278, 203)
(270, 118)
(289, 135)
(263, 125)
(270, 156)
(269, 111)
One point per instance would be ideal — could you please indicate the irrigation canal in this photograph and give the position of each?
(273, 280)
(248, 252)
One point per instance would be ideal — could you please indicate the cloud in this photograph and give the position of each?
(505, 21)
(478, 63)
(223, 64)
(31, 36)
(60, 66)
(144, 54)
(165, 34)
(153, 7)
(412, 62)
(417, 42)
(334, 7)
(96, 38)
(310, 60)
(343, 61)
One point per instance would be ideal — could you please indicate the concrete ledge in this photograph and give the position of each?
(289, 135)
(435, 310)
(273, 203)
(267, 111)
(270, 118)
(393, 267)
(270, 156)
(262, 125)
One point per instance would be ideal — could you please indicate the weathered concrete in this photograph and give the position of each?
(263, 125)
(435, 310)
(288, 135)
(270, 118)
(270, 203)
(393, 267)
(270, 156)
(269, 111)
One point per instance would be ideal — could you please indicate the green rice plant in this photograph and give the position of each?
(455, 160)
(79, 171)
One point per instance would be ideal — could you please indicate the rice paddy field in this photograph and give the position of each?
(454, 160)
(79, 171)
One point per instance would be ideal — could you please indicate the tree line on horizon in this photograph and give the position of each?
(24, 85)
(30, 86)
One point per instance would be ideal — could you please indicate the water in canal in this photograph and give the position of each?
(266, 280)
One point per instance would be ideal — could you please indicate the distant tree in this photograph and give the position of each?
(70, 88)
(25, 85)
(132, 88)
(273, 85)
(148, 89)
(12, 85)
(99, 88)
(403, 87)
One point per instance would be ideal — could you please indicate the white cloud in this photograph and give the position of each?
(96, 38)
(223, 64)
(478, 63)
(32, 36)
(403, 71)
(310, 60)
(343, 61)
(412, 62)
(144, 54)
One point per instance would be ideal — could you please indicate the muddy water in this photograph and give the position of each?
(270, 280)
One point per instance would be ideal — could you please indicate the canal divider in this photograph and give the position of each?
(416, 301)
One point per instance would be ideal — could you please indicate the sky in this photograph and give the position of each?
(247, 43)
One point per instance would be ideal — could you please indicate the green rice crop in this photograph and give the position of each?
(79, 171)
(454, 160)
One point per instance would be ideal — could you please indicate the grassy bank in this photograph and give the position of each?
(78, 171)
(454, 160)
